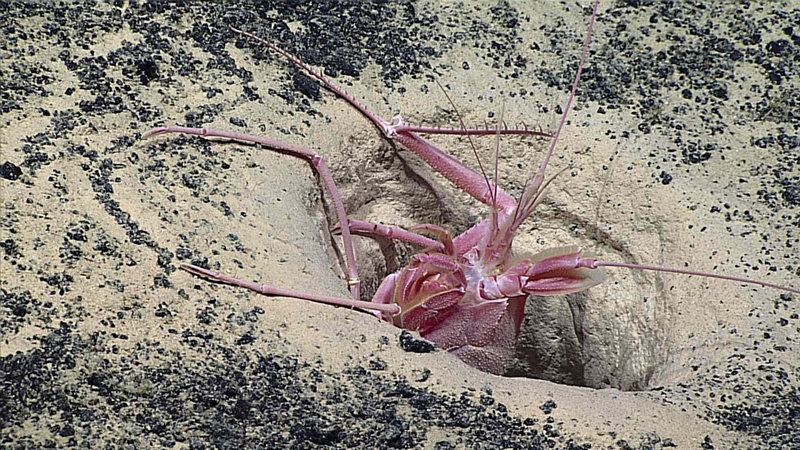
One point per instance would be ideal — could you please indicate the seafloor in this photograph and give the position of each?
(682, 151)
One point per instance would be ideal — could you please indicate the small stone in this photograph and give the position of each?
(10, 171)
(410, 344)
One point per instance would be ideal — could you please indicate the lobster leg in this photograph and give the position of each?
(316, 161)
(373, 230)
(473, 183)
(380, 309)
(463, 242)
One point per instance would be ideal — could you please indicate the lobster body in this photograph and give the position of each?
(467, 294)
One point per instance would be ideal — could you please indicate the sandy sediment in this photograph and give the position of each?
(681, 151)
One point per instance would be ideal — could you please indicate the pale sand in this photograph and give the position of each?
(149, 355)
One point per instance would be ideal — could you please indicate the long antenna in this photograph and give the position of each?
(497, 157)
(692, 272)
(527, 209)
(572, 94)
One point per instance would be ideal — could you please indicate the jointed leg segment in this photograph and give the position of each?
(316, 161)
(362, 228)
(464, 177)
(269, 289)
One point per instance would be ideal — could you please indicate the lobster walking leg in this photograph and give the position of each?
(316, 161)
(362, 228)
(473, 183)
(268, 289)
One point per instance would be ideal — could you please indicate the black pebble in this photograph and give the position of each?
(409, 344)
(10, 171)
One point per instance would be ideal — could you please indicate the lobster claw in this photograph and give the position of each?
(557, 271)
(428, 290)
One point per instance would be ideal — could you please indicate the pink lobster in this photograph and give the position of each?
(467, 294)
